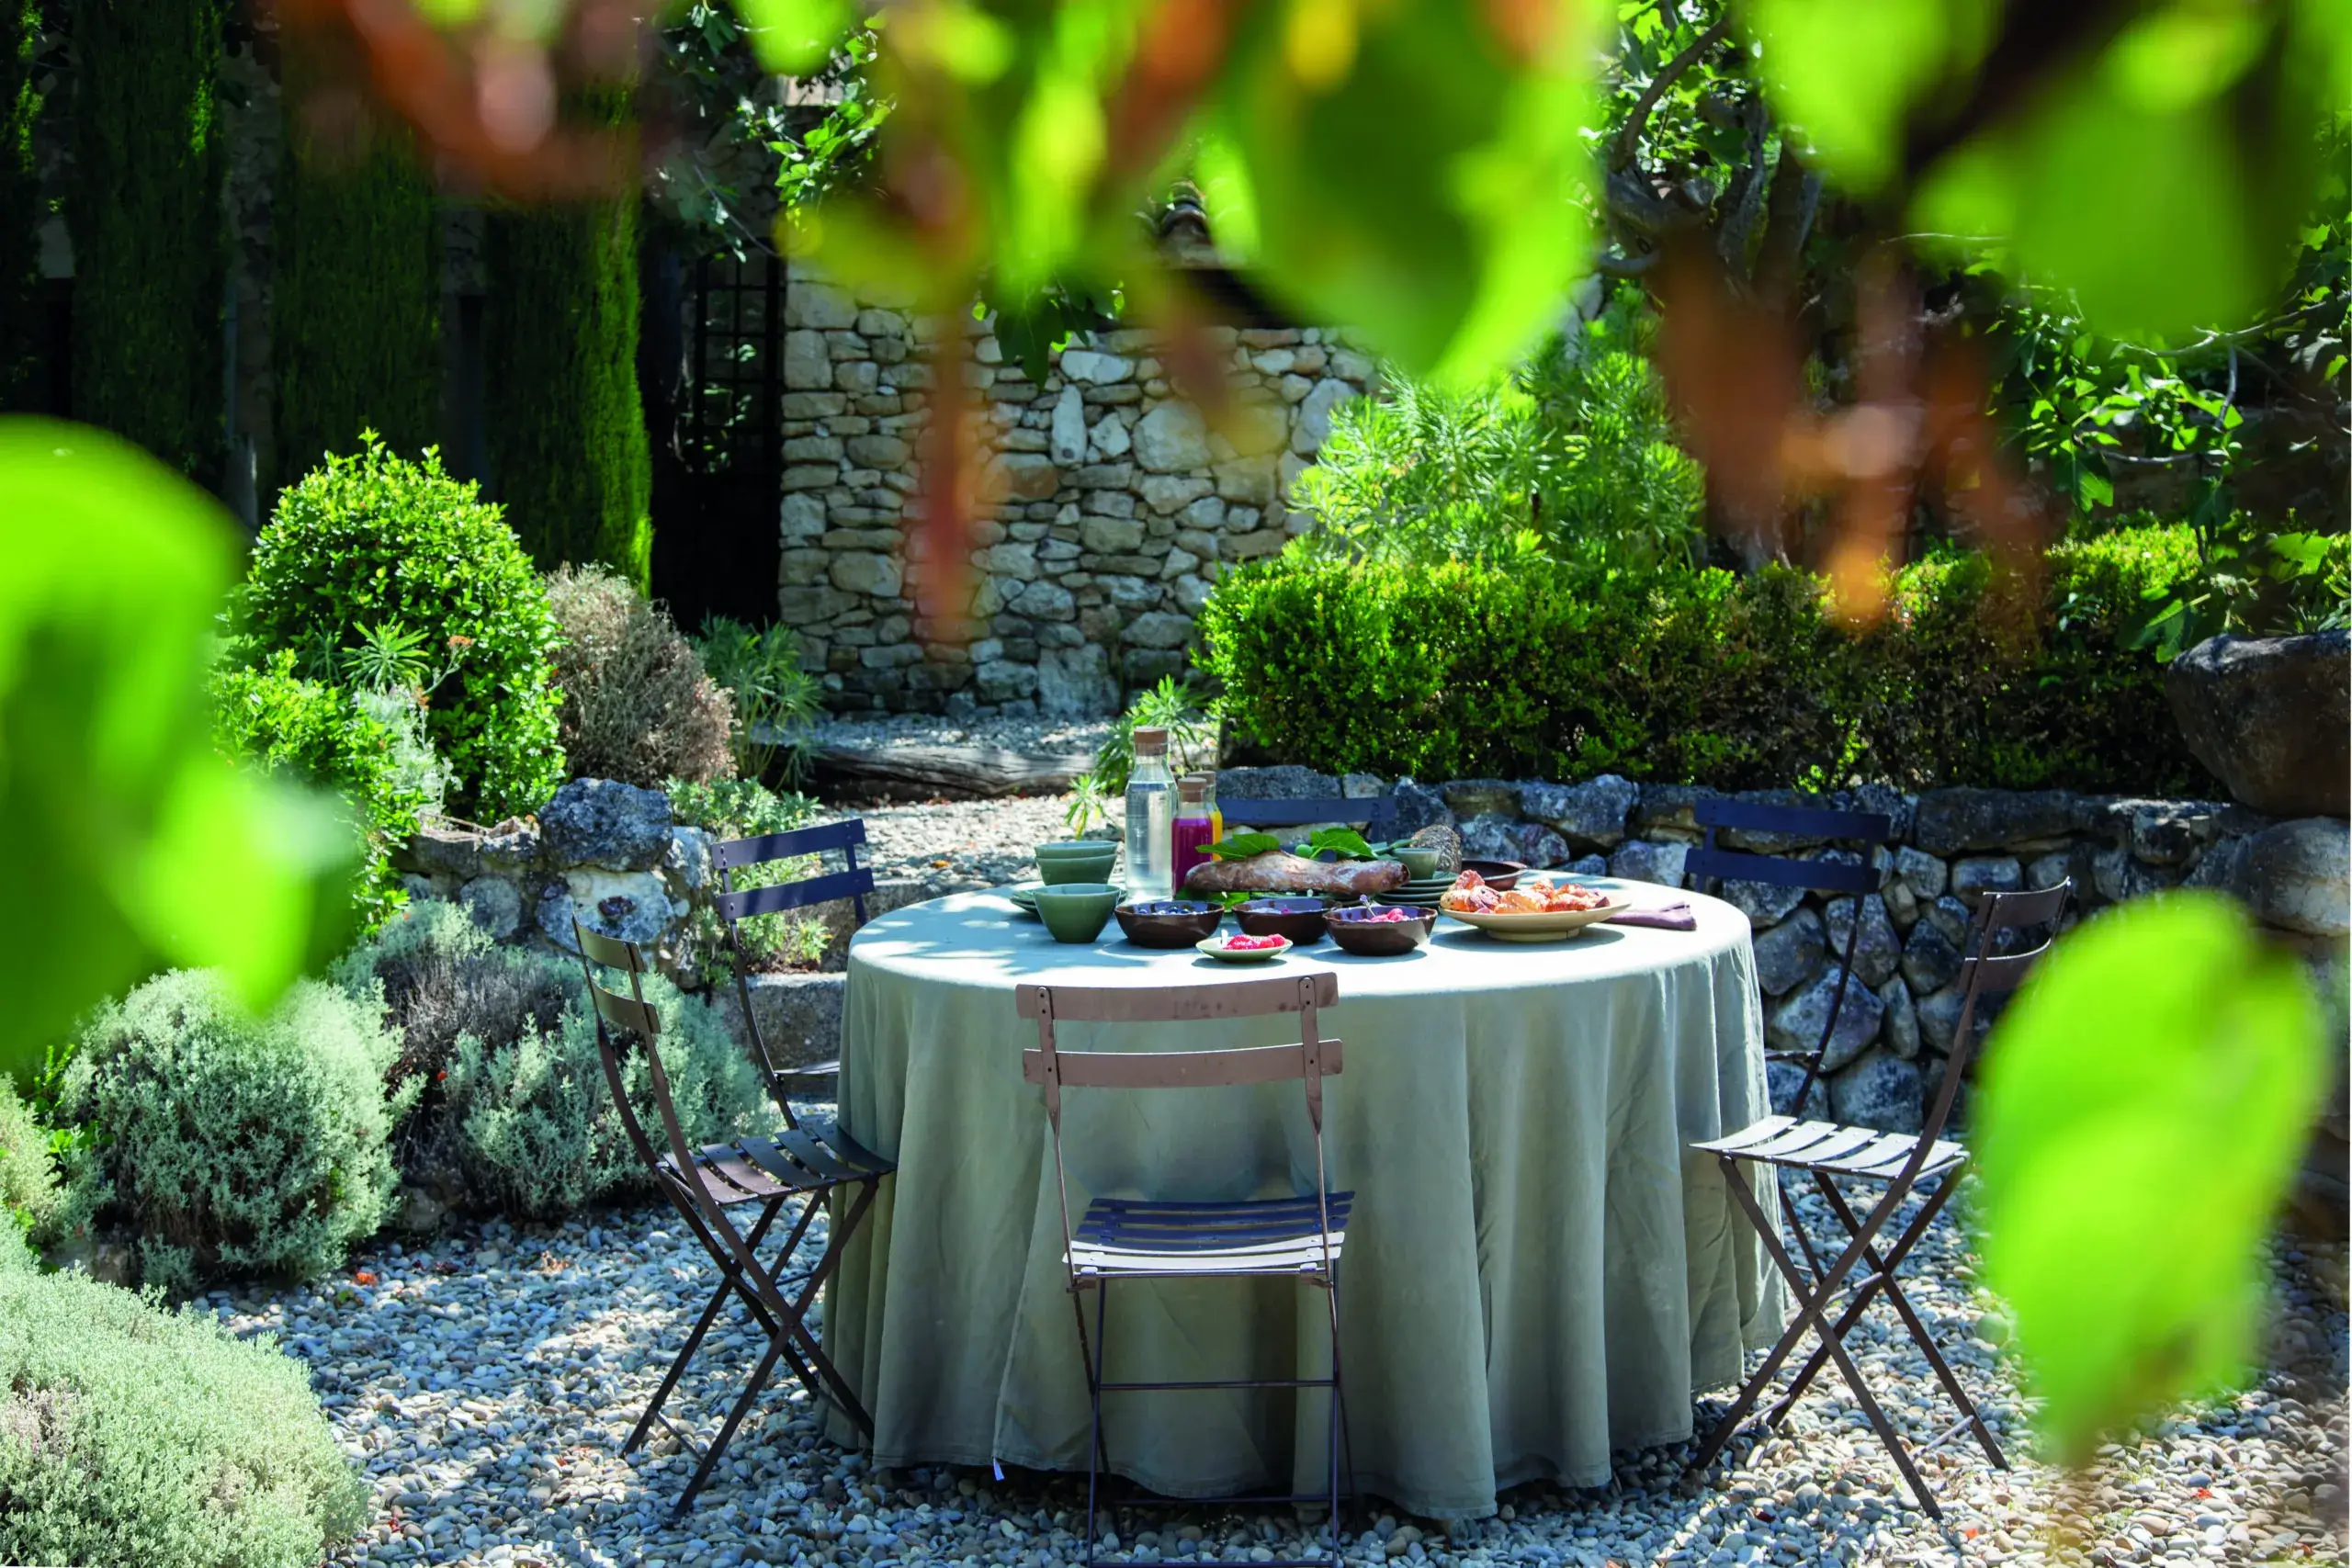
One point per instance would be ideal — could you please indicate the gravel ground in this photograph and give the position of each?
(951, 845)
(1041, 735)
(485, 1380)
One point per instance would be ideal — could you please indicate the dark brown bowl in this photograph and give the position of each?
(1366, 938)
(1501, 875)
(1168, 922)
(1301, 919)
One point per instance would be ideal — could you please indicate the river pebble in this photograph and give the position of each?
(484, 1379)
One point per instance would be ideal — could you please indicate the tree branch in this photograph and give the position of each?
(1742, 202)
(1789, 209)
(1637, 118)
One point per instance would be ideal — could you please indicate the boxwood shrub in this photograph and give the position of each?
(374, 540)
(1977, 675)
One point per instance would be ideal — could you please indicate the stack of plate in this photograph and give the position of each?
(1421, 893)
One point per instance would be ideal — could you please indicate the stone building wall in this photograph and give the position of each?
(1109, 505)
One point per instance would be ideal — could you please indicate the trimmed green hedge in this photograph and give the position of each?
(356, 311)
(568, 458)
(1457, 670)
(22, 208)
(151, 252)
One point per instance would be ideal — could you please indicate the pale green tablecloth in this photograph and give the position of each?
(1537, 1271)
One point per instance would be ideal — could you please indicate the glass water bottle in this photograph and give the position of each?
(1151, 799)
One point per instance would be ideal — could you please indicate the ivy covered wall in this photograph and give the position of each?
(150, 259)
(564, 425)
(356, 313)
(21, 206)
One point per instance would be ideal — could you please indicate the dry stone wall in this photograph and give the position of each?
(1896, 1024)
(1110, 505)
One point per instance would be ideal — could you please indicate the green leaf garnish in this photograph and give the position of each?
(1241, 846)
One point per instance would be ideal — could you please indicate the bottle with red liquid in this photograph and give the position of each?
(1193, 830)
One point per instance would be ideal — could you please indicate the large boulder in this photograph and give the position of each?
(1591, 815)
(2295, 876)
(1797, 1023)
(2270, 717)
(605, 823)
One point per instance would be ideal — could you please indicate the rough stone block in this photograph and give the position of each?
(601, 822)
(1647, 860)
(494, 904)
(1880, 1090)
(807, 364)
(1796, 1023)
(1877, 949)
(2295, 876)
(1977, 876)
(1790, 954)
(868, 572)
(1591, 815)
(1109, 535)
(799, 1016)
(1171, 439)
(1930, 958)
(1951, 821)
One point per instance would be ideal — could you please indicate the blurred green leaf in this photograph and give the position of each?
(1419, 177)
(793, 37)
(133, 843)
(2142, 1108)
(1850, 74)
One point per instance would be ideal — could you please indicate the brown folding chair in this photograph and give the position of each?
(707, 1186)
(1826, 1152)
(735, 905)
(1121, 1239)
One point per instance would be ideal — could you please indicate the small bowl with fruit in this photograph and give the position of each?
(1243, 948)
(1380, 931)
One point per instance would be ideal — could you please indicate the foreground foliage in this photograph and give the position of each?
(2144, 1108)
(1460, 669)
(235, 1145)
(130, 1434)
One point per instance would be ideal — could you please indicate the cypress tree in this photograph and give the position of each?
(564, 425)
(21, 207)
(355, 322)
(150, 242)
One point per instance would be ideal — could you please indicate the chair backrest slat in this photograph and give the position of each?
(1796, 821)
(736, 853)
(2001, 973)
(2007, 911)
(1822, 876)
(610, 952)
(1181, 1069)
(625, 1012)
(1127, 1004)
(1372, 810)
(743, 902)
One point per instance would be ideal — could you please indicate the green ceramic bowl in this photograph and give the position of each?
(1082, 860)
(1418, 862)
(1076, 911)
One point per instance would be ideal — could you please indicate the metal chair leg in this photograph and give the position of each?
(727, 1432)
(729, 1282)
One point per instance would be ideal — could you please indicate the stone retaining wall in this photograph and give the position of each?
(1110, 506)
(1950, 846)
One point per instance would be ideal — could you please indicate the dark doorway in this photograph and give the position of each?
(713, 374)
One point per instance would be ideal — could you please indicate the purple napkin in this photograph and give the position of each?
(1674, 917)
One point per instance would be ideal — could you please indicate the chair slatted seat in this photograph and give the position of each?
(1300, 1236)
(1864, 1270)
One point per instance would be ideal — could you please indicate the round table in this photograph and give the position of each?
(1538, 1272)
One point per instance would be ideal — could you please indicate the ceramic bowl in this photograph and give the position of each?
(1168, 922)
(1356, 932)
(1503, 876)
(1076, 911)
(1420, 862)
(1300, 919)
(1081, 860)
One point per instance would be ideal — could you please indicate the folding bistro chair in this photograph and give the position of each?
(1714, 865)
(707, 1186)
(1117, 1239)
(736, 905)
(1902, 1161)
